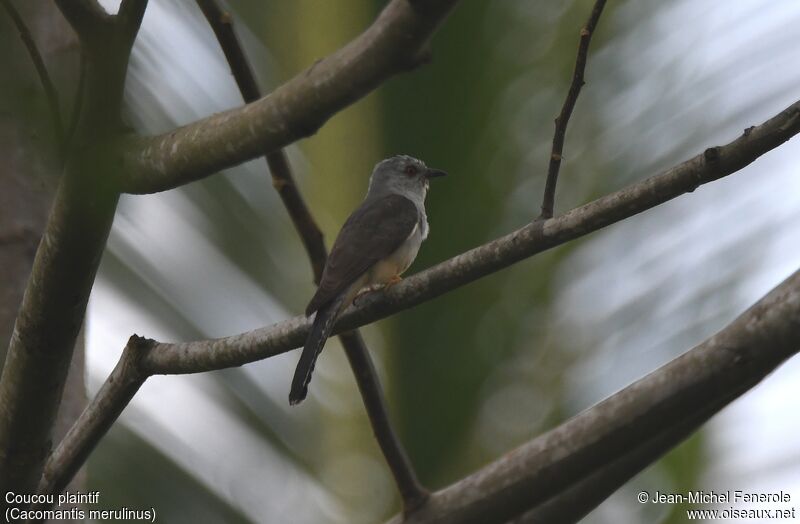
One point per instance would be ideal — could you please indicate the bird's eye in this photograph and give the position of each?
(411, 170)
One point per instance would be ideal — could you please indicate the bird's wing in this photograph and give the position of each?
(373, 232)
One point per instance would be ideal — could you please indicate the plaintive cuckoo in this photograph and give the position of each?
(376, 244)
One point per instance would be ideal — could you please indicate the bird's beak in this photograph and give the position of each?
(433, 173)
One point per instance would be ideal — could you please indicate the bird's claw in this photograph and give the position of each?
(392, 281)
(375, 287)
(365, 291)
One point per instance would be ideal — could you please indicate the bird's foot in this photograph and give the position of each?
(392, 281)
(375, 287)
(367, 290)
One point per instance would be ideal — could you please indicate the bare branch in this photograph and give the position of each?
(48, 323)
(118, 389)
(412, 492)
(131, 12)
(566, 111)
(129, 18)
(54, 303)
(221, 23)
(618, 437)
(306, 226)
(87, 17)
(714, 163)
(395, 42)
(41, 70)
(77, 103)
(575, 502)
(282, 179)
(100, 32)
(538, 236)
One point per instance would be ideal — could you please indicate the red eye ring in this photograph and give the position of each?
(410, 170)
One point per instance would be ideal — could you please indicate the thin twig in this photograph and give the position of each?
(411, 491)
(129, 18)
(282, 179)
(306, 226)
(221, 23)
(41, 69)
(566, 111)
(206, 355)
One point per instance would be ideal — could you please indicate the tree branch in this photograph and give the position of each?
(575, 502)
(282, 179)
(412, 492)
(566, 111)
(714, 163)
(538, 236)
(221, 23)
(89, 20)
(304, 223)
(395, 42)
(115, 393)
(48, 323)
(129, 18)
(618, 437)
(77, 103)
(41, 70)
(64, 268)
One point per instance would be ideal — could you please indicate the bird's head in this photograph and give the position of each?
(402, 175)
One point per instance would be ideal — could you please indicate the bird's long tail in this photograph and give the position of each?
(320, 330)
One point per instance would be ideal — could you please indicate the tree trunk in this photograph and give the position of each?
(30, 168)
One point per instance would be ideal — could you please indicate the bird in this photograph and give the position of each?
(376, 244)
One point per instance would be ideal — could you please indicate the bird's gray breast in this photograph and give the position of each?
(423, 223)
(407, 252)
(401, 258)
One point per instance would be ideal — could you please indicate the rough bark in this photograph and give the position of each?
(395, 42)
(54, 302)
(563, 474)
(31, 150)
